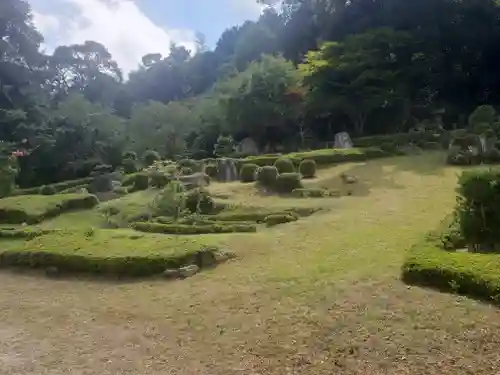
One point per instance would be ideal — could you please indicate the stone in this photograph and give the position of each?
(342, 140)
(227, 170)
(171, 273)
(248, 147)
(189, 271)
(224, 256)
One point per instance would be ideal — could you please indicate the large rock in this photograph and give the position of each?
(227, 170)
(342, 140)
(248, 147)
(189, 271)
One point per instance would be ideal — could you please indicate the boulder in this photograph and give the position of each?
(189, 271)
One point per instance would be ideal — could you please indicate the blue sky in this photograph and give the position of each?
(132, 28)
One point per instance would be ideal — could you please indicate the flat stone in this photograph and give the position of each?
(171, 273)
(189, 271)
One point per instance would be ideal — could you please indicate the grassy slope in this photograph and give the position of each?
(319, 296)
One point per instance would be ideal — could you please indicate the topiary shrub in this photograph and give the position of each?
(389, 147)
(47, 190)
(224, 146)
(288, 182)
(307, 168)
(284, 165)
(432, 146)
(211, 170)
(159, 179)
(129, 155)
(309, 193)
(492, 156)
(141, 182)
(248, 172)
(194, 165)
(482, 117)
(267, 176)
(129, 166)
(150, 157)
(278, 219)
(199, 201)
(186, 171)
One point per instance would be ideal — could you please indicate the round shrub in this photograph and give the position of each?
(389, 147)
(189, 163)
(432, 146)
(307, 168)
(159, 180)
(284, 165)
(288, 182)
(150, 157)
(129, 166)
(277, 219)
(267, 176)
(186, 171)
(492, 156)
(129, 155)
(248, 172)
(141, 182)
(211, 170)
(47, 190)
(199, 201)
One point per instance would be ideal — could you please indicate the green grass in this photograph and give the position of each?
(58, 187)
(107, 252)
(35, 208)
(130, 207)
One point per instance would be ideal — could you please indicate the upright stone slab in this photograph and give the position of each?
(227, 170)
(248, 147)
(342, 140)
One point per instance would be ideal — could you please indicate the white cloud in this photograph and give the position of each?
(118, 24)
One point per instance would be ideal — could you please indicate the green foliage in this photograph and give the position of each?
(478, 207)
(125, 254)
(277, 219)
(59, 187)
(224, 146)
(150, 157)
(307, 168)
(141, 182)
(248, 172)
(182, 229)
(492, 156)
(267, 176)
(129, 166)
(288, 182)
(259, 214)
(284, 165)
(484, 115)
(47, 190)
(129, 155)
(159, 179)
(171, 201)
(199, 201)
(211, 170)
(193, 165)
(315, 193)
(33, 209)
(186, 171)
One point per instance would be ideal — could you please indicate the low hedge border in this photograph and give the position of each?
(58, 187)
(259, 215)
(10, 234)
(183, 229)
(472, 274)
(316, 193)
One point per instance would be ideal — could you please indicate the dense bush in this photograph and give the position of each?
(47, 190)
(492, 156)
(129, 155)
(432, 146)
(59, 187)
(315, 193)
(141, 182)
(159, 179)
(186, 171)
(288, 182)
(183, 229)
(129, 166)
(307, 168)
(224, 146)
(478, 208)
(150, 157)
(211, 170)
(267, 176)
(484, 115)
(194, 165)
(199, 201)
(277, 219)
(248, 172)
(284, 165)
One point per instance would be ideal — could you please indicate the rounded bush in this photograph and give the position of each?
(267, 176)
(189, 163)
(129, 155)
(248, 172)
(206, 203)
(492, 156)
(150, 157)
(211, 170)
(389, 147)
(129, 166)
(47, 190)
(186, 171)
(159, 180)
(284, 165)
(277, 219)
(141, 182)
(307, 168)
(432, 146)
(288, 182)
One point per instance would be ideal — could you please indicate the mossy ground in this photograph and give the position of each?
(321, 295)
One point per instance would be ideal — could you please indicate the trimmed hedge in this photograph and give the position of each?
(150, 157)
(267, 176)
(183, 229)
(315, 193)
(284, 165)
(288, 182)
(141, 182)
(248, 173)
(307, 168)
(258, 215)
(58, 187)
(127, 253)
(34, 209)
(277, 219)
(47, 190)
(211, 170)
(194, 165)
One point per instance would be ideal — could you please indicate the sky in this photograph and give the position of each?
(132, 28)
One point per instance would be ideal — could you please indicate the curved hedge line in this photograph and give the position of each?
(183, 229)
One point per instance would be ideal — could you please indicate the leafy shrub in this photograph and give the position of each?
(150, 157)
(478, 207)
(432, 146)
(186, 171)
(159, 179)
(47, 190)
(307, 168)
(141, 182)
(267, 176)
(284, 165)
(288, 182)
(129, 155)
(121, 190)
(211, 170)
(484, 114)
(224, 146)
(199, 201)
(389, 147)
(310, 193)
(248, 172)
(277, 219)
(171, 201)
(129, 166)
(184, 229)
(194, 165)
(492, 156)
